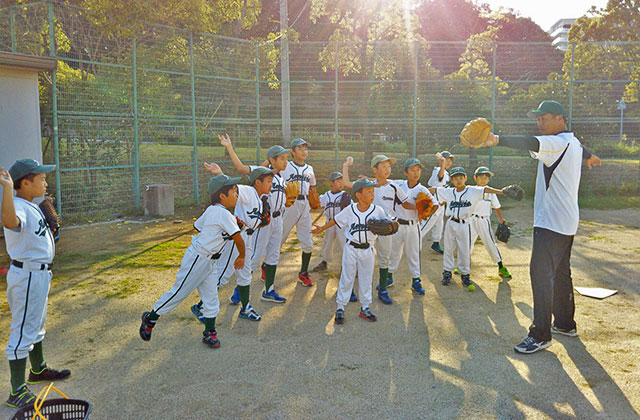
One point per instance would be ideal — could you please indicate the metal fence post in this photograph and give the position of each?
(414, 151)
(136, 141)
(335, 106)
(493, 101)
(573, 50)
(194, 154)
(54, 109)
(12, 23)
(257, 101)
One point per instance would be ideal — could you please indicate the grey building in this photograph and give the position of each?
(559, 31)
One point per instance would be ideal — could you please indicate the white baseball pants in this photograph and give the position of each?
(383, 250)
(299, 215)
(457, 236)
(224, 267)
(266, 243)
(427, 226)
(358, 262)
(332, 236)
(406, 238)
(481, 226)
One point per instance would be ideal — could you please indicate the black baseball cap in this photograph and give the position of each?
(24, 167)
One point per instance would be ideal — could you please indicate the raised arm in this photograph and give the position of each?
(214, 168)
(9, 218)
(226, 142)
(345, 172)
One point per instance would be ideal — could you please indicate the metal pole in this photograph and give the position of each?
(573, 50)
(194, 154)
(257, 102)
(335, 106)
(136, 143)
(284, 77)
(493, 101)
(622, 107)
(415, 99)
(12, 20)
(54, 109)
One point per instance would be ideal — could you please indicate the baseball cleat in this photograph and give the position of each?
(320, 267)
(249, 314)
(354, 297)
(235, 297)
(196, 310)
(366, 314)
(504, 273)
(436, 247)
(272, 296)
(466, 282)
(47, 374)
(305, 279)
(339, 319)
(569, 333)
(389, 282)
(146, 327)
(531, 345)
(383, 295)
(417, 287)
(210, 339)
(23, 397)
(446, 277)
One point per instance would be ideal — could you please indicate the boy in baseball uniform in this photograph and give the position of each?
(481, 220)
(331, 202)
(460, 201)
(267, 240)
(217, 227)
(31, 246)
(357, 256)
(408, 235)
(439, 178)
(299, 214)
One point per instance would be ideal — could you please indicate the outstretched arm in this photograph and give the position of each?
(345, 172)
(9, 218)
(214, 168)
(320, 229)
(226, 142)
(533, 144)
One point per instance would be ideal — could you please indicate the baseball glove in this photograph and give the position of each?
(345, 200)
(475, 133)
(265, 216)
(314, 199)
(51, 217)
(292, 191)
(424, 204)
(382, 227)
(503, 232)
(514, 191)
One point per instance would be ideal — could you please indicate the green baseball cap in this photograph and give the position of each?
(457, 171)
(381, 158)
(335, 175)
(482, 170)
(275, 151)
(24, 167)
(298, 142)
(258, 172)
(362, 183)
(445, 154)
(412, 162)
(548, 107)
(220, 181)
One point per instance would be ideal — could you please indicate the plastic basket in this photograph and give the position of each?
(54, 409)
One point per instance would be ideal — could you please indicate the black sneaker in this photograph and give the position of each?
(569, 333)
(531, 345)
(146, 327)
(466, 282)
(47, 374)
(339, 316)
(210, 339)
(366, 314)
(446, 277)
(21, 398)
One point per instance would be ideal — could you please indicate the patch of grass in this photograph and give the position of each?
(636, 250)
(79, 261)
(598, 238)
(162, 256)
(124, 288)
(289, 249)
(608, 202)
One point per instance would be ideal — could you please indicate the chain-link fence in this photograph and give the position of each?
(122, 112)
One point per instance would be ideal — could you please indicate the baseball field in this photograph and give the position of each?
(448, 354)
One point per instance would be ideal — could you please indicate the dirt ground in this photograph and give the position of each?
(446, 355)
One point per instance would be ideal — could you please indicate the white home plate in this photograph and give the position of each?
(596, 292)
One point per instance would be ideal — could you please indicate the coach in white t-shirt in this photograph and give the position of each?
(555, 221)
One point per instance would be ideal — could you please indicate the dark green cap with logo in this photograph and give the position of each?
(275, 151)
(362, 183)
(458, 170)
(483, 170)
(412, 162)
(258, 172)
(220, 181)
(548, 107)
(24, 167)
(298, 142)
(335, 175)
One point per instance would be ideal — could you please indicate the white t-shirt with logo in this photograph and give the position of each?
(354, 222)
(303, 174)
(556, 200)
(215, 228)
(389, 196)
(435, 182)
(484, 206)
(249, 206)
(331, 203)
(32, 240)
(277, 196)
(460, 204)
(412, 193)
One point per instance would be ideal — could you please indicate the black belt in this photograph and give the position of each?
(276, 214)
(216, 256)
(301, 197)
(358, 245)
(20, 264)
(405, 222)
(463, 221)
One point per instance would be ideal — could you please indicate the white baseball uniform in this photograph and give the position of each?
(331, 203)
(249, 210)
(299, 214)
(390, 197)
(457, 232)
(408, 235)
(267, 240)
(481, 226)
(31, 245)
(439, 216)
(215, 228)
(357, 256)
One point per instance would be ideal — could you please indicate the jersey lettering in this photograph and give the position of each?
(459, 204)
(296, 177)
(358, 227)
(42, 228)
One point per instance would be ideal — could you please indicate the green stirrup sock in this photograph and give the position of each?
(389, 278)
(384, 274)
(269, 276)
(209, 324)
(306, 257)
(153, 316)
(36, 358)
(17, 368)
(244, 296)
